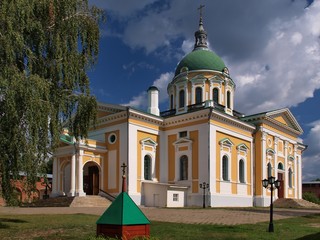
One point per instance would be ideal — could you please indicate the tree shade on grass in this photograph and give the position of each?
(46, 47)
(81, 226)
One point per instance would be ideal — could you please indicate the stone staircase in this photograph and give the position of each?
(294, 203)
(90, 201)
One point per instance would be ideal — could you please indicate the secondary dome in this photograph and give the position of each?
(200, 59)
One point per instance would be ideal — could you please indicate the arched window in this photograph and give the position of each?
(290, 178)
(171, 101)
(215, 95)
(147, 167)
(280, 166)
(228, 99)
(225, 168)
(181, 99)
(269, 170)
(198, 95)
(241, 171)
(184, 168)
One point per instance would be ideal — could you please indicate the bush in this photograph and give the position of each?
(311, 197)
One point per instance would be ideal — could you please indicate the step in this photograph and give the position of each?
(90, 201)
(51, 202)
(294, 203)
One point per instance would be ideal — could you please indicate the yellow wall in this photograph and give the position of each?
(111, 147)
(233, 161)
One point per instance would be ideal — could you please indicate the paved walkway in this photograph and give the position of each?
(199, 216)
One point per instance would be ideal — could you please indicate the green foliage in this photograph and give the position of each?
(311, 197)
(46, 47)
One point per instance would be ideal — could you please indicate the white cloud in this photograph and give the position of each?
(141, 101)
(120, 8)
(187, 46)
(286, 65)
(311, 158)
(296, 38)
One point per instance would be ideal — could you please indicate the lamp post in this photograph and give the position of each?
(204, 185)
(271, 184)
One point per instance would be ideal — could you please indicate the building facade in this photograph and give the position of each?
(200, 139)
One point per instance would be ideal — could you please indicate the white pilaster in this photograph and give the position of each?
(285, 182)
(296, 187)
(263, 155)
(73, 176)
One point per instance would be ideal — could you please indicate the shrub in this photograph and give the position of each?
(311, 197)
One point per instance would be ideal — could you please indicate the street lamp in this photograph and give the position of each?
(204, 185)
(271, 183)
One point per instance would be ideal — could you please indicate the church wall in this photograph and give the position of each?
(194, 136)
(140, 130)
(140, 156)
(112, 166)
(233, 186)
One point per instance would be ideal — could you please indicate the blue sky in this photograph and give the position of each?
(272, 50)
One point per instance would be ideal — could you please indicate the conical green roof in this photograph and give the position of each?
(123, 211)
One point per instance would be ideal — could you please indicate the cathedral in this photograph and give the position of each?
(199, 151)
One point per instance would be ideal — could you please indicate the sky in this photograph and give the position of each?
(271, 48)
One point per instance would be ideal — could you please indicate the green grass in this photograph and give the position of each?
(81, 226)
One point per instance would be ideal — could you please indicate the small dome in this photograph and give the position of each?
(200, 59)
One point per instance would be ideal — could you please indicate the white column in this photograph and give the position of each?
(73, 176)
(186, 97)
(285, 170)
(79, 191)
(193, 101)
(264, 163)
(299, 163)
(276, 139)
(295, 175)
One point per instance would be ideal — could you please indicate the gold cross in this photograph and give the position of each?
(200, 9)
(123, 166)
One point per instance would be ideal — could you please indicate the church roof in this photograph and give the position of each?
(200, 59)
(123, 211)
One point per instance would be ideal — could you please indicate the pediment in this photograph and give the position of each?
(182, 141)
(149, 142)
(226, 142)
(242, 147)
(285, 118)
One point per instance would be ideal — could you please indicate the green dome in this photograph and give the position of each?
(201, 59)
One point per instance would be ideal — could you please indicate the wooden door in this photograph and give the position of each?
(281, 188)
(93, 188)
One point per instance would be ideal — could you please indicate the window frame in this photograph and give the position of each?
(215, 96)
(225, 168)
(184, 168)
(181, 98)
(147, 175)
(198, 93)
(242, 171)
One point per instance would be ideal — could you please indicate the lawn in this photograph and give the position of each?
(82, 226)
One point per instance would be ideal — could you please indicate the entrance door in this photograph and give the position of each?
(93, 188)
(281, 188)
